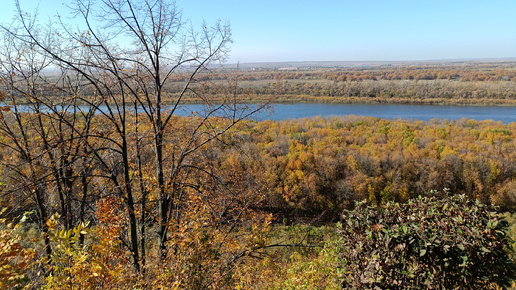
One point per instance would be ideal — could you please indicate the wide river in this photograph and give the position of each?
(386, 111)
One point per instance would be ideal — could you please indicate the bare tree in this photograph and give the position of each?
(120, 65)
(40, 132)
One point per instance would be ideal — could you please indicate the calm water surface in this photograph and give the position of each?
(387, 111)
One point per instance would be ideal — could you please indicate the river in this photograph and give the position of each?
(386, 111)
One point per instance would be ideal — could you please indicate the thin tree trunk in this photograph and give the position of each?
(130, 205)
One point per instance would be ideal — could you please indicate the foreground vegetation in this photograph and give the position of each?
(445, 241)
(263, 211)
(427, 242)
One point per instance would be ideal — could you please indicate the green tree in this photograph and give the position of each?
(433, 242)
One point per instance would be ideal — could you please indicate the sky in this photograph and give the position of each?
(347, 30)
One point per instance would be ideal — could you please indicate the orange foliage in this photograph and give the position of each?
(15, 259)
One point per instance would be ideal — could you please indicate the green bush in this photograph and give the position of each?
(432, 243)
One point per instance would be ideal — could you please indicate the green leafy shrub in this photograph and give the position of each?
(443, 243)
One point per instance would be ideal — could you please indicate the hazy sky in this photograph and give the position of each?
(342, 30)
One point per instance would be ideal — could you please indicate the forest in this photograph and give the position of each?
(468, 83)
(104, 186)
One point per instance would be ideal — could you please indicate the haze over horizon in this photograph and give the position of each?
(370, 30)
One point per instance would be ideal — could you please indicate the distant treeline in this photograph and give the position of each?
(477, 72)
(405, 92)
(479, 84)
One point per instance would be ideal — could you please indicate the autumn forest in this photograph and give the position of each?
(105, 186)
